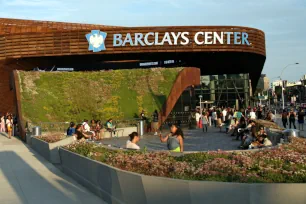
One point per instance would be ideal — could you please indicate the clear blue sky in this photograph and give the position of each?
(283, 21)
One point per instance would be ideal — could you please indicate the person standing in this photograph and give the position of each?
(285, 118)
(259, 113)
(292, 116)
(214, 117)
(155, 122)
(227, 122)
(205, 121)
(224, 112)
(175, 140)
(198, 117)
(252, 115)
(301, 116)
(9, 126)
(2, 124)
(209, 116)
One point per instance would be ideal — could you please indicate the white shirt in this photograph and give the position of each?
(252, 115)
(198, 116)
(86, 127)
(267, 142)
(214, 115)
(9, 122)
(224, 112)
(131, 145)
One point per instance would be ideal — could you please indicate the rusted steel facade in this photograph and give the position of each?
(25, 44)
(186, 78)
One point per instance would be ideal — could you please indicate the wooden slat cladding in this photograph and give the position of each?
(65, 39)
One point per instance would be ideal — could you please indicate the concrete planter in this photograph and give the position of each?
(274, 135)
(50, 150)
(121, 132)
(118, 186)
(28, 138)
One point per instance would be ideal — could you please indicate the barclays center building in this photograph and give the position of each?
(223, 53)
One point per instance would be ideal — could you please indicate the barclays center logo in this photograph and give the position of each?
(96, 40)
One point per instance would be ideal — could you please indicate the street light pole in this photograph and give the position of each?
(280, 77)
(200, 96)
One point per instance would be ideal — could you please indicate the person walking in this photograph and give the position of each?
(9, 125)
(155, 122)
(292, 116)
(301, 117)
(205, 121)
(285, 118)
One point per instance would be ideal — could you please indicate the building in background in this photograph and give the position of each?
(294, 92)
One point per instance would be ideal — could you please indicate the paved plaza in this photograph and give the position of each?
(27, 178)
(195, 140)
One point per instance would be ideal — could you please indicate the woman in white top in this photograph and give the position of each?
(9, 125)
(198, 116)
(2, 124)
(214, 117)
(252, 115)
(132, 143)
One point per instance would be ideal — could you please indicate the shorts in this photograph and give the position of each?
(9, 128)
(178, 149)
(155, 125)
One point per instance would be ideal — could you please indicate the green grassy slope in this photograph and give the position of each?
(119, 94)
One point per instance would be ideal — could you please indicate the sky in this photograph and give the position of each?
(283, 21)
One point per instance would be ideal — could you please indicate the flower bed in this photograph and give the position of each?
(285, 164)
(52, 137)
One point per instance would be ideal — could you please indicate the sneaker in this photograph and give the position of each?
(155, 133)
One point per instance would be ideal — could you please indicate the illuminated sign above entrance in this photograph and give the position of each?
(96, 39)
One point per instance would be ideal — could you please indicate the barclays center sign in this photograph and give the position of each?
(96, 39)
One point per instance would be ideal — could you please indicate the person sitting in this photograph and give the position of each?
(110, 127)
(132, 142)
(262, 132)
(262, 141)
(248, 139)
(80, 134)
(71, 129)
(99, 130)
(86, 129)
(175, 139)
(242, 125)
(266, 142)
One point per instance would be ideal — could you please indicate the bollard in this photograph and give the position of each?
(141, 128)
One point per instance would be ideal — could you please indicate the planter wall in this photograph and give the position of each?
(117, 186)
(50, 150)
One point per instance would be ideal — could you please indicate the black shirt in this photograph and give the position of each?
(79, 135)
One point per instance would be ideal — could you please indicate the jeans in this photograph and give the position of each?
(301, 126)
(205, 127)
(285, 122)
(293, 122)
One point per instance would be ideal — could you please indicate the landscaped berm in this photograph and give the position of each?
(73, 96)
